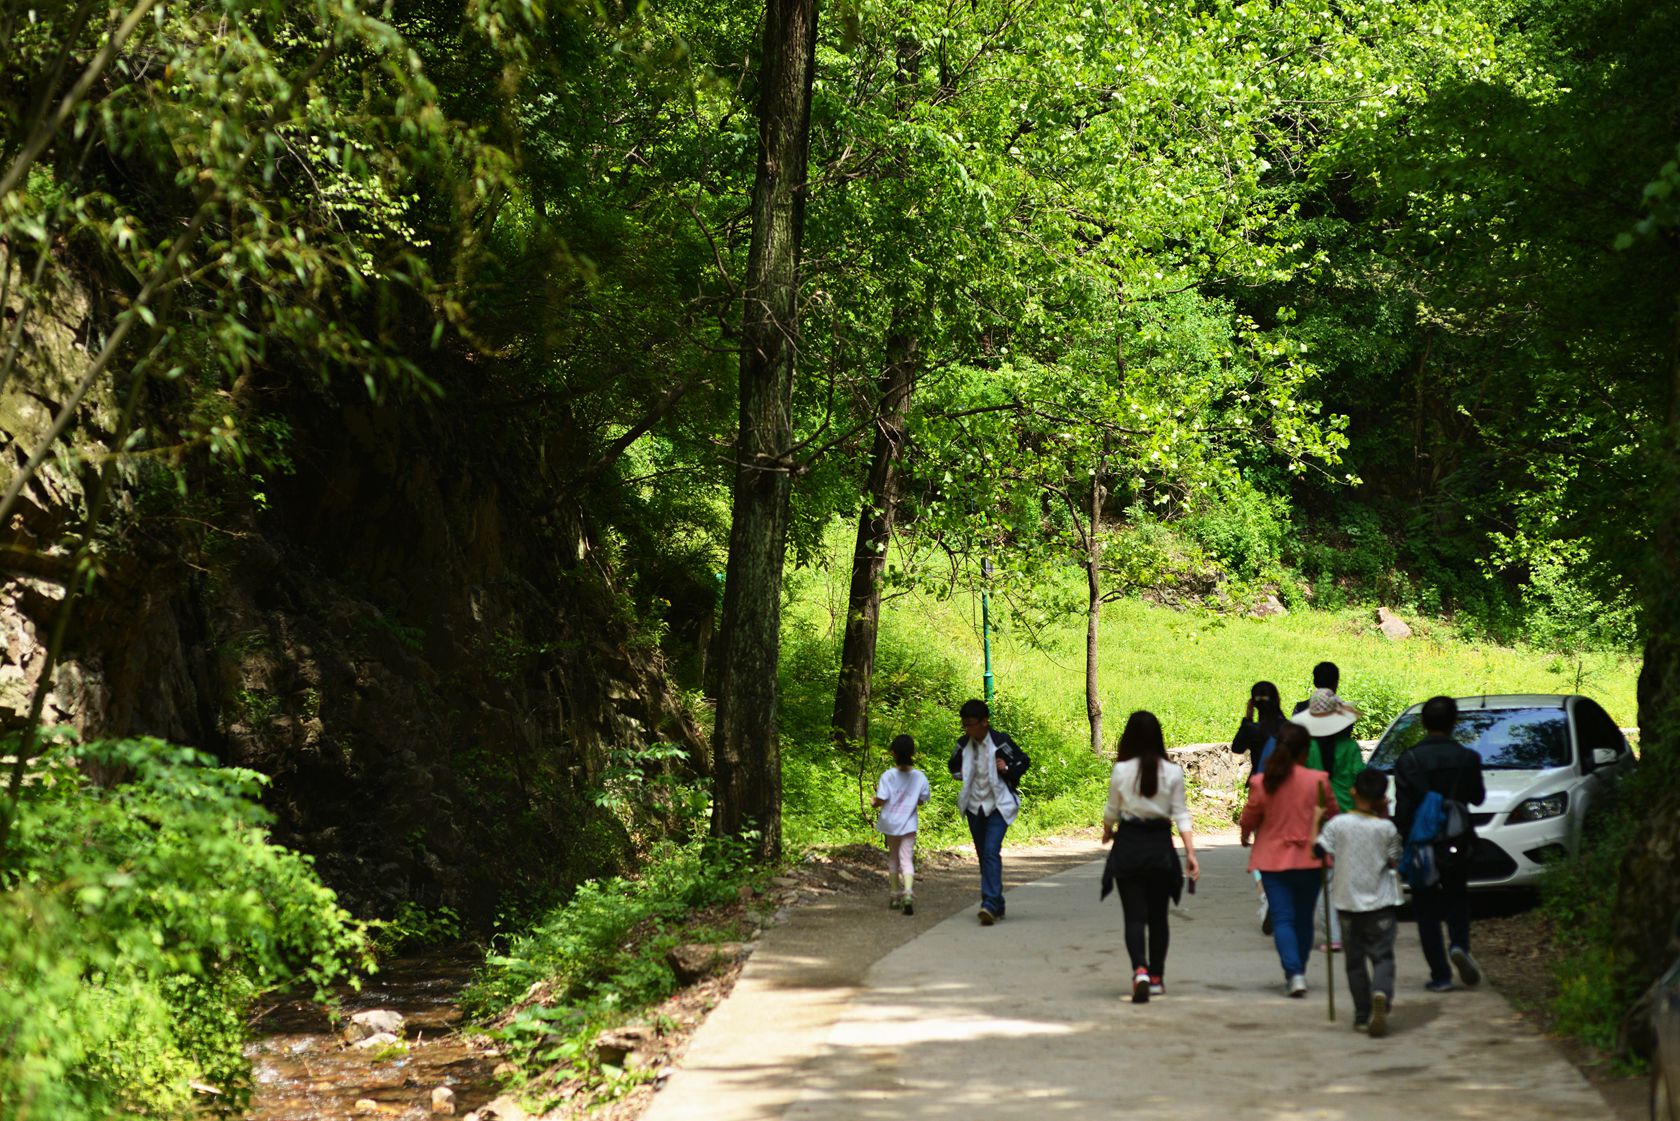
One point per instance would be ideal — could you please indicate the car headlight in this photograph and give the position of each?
(1539, 809)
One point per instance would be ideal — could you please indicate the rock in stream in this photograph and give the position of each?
(304, 1070)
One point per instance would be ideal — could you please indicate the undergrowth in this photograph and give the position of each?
(140, 917)
(1578, 897)
(599, 959)
(413, 927)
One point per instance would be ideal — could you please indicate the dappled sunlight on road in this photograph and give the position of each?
(1031, 1019)
(890, 1030)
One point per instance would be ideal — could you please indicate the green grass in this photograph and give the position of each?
(1193, 669)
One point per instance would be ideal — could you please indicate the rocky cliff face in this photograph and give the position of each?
(428, 663)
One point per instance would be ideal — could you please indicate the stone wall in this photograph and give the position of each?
(1216, 776)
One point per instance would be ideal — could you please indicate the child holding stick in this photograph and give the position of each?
(1363, 848)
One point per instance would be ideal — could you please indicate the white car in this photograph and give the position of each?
(1546, 760)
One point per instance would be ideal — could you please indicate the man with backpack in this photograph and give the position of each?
(1441, 766)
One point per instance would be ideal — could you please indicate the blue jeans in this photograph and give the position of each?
(1290, 896)
(988, 834)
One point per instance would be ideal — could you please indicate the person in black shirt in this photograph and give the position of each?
(1260, 722)
(1441, 764)
(1261, 719)
(1325, 676)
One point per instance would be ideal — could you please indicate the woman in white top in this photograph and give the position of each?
(1145, 800)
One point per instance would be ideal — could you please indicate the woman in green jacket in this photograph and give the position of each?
(1329, 720)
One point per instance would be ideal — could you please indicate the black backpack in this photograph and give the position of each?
(1455, 841)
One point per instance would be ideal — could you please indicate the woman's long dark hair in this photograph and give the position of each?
(1142, 740)
(1292, 744)
(1268, 709)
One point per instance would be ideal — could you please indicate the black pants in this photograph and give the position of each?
(1446, 902)
(1145, 897)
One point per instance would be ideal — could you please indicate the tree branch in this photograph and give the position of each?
(45, 129)
(658, 412)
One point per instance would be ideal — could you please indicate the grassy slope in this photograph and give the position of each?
(1192, 669)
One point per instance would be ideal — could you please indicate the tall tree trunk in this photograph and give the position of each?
(1093, 546)
(1093, 609)
(1648, 887)
(880, 504)
(869, 558)
(747, 765)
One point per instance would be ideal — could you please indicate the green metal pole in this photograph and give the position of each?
(986, 626)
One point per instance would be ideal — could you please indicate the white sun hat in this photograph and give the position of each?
(1326, 714)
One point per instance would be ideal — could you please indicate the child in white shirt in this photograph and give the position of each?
(902, 788)
(1364, 847)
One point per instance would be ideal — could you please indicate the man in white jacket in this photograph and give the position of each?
(989, 765)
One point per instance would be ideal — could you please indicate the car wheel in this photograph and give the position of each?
(1662, 1102)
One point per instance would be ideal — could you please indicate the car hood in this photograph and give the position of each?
(1506, 788)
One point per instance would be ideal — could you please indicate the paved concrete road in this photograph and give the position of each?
(1032, 1019)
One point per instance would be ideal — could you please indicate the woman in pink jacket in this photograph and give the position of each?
(1287, 803)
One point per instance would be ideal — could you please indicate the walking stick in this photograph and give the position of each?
(1329, 956)
(1324, 889)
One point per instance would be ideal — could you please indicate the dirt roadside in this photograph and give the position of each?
(1515, 947)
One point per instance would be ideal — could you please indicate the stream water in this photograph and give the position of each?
(304, 1072)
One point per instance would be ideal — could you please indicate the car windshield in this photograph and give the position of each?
(1507, 739)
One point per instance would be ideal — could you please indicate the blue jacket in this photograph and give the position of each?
(1417, 863)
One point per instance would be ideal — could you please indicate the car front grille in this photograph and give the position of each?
(1490, 862)
(1480, 820)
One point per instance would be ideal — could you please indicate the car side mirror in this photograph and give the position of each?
(1603, 757)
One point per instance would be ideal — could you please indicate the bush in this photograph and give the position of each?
(1509, 588)
(1564, 614)
(919, 687)
(138, 921)
(1378, 699)
(1143, 553)
(1579, 899)
(1243, 528)
(413, 927)
(579, 947)
(601, 955)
